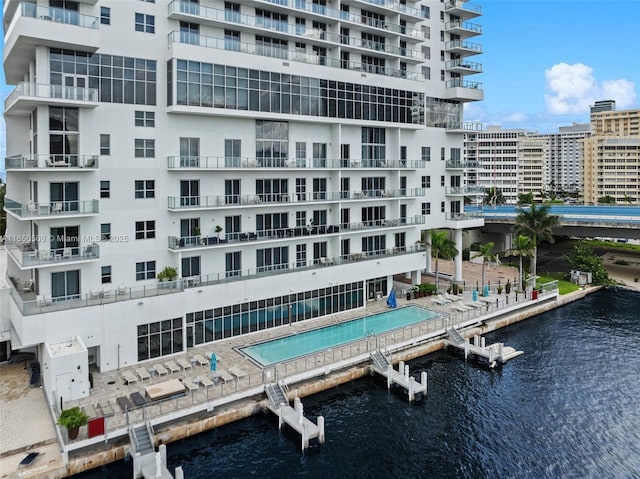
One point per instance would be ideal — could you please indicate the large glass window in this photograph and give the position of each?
(64, 196)
(161, 338)
(269, 259)
(65, 285)
(63, 135)
(145, 270)
(272, 143)
(191, 266)
(373, 146)
(233, 265)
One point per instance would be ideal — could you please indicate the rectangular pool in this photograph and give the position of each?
(309, 342)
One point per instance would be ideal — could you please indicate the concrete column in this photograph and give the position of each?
(457, 277)
(416, 277)
(428, 268)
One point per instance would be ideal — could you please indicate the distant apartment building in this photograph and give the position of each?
(531, 166)
(612, 156)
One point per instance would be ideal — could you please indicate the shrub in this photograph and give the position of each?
(621, 262)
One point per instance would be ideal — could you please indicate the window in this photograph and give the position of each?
(372, 245)
(345, 248)
(426, 208)
(145, 148)
(145, 118)
(64, 132)
(189, 151)
(65, 285)
(301, 219)
(401, 241)
(161, 338)
(426, 181)
(269, 259)
(272, 142)
(105, 144)
(191, 266)
(319, 188)
(145, 270)
(145, 189)
(301, 255)
(319, 251)
(232, 227)
(232, 264)
(189, 192)
(426, 153)
(273, 189)
(232, 152)
(145, 23)
(301, 189)
(105, 189)
(442, 180)
(442, 207)
(105, 15)
(373, 146)
(231, 191)
(443, 151)
(105, 274)
(145, 229)
(105, 231)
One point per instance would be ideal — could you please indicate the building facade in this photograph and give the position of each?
(282, 158)
(612, 157)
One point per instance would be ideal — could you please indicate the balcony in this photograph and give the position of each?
(461, 164)
(31, 302)
(181, 243)
(45, 26)
(26, 96)
(56, 209)
(462, 90)
(27, 256)
(464, 127)
(462, 9)
(464, 190)
(463, 29)
(178, 38)
(52, 162)
(473, 219)
(463, 67)
(463, 48)
(219, 162)
(177, 203)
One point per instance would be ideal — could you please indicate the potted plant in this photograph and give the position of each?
(499, 289)
(72, 419)
(218, 230)
(507, 287)
(169, 273)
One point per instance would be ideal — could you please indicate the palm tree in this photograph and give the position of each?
(521, 247)
(535, 222)
(484, 251)
(493, 196)
(441, 247)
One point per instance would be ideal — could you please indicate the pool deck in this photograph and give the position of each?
(205, 406)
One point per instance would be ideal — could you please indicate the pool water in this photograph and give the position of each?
(309, 342)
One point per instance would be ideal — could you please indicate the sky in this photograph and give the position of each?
(544, 61)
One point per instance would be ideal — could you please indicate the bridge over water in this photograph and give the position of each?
(583, 221)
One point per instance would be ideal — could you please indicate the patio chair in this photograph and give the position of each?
(201, 360)
(161, 370)
(105, 408)
(183, 363)
(206, 382)
(143, 374)
(222, 374)
(237, 372)
(129, 377)
(28, 459)
(172, 366)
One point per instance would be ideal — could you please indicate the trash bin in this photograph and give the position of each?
(408, 295)
(534, 294)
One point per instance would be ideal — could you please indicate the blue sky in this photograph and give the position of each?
(545, 62)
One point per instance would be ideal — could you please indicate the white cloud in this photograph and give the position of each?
(573, 89)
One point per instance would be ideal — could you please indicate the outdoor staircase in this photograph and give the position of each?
(277, 394)
(379, 360)
(143, 442)
(455, 336)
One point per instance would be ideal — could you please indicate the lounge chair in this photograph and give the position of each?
(201, 360)
(190, 386)
(105, 407)
(172, 366)
(129, 377)
(473, 305)
(124, 403)
(184, 364)
(460, 308)
(222, 374)
(206, 382)
(161, 370)
(438, 301)
(452, 297)
(237, 372)
(137, 399)
(143, 373)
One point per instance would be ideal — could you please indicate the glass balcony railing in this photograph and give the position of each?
(28, 254)
(462, 63)
(232, 201)
(22, 162)
(471, 27)
(286, 54)
(30, 302)
(59, 15)
(463, 45)
(464, 216)
(214, 162)
(463, 190)
(58, 92)
(188, 242)
(460, 83)
(55, 208)
(461, 164)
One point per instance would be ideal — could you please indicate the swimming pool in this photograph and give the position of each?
(284, 349)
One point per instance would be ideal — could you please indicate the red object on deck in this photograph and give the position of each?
(95, 427)
(534, 294)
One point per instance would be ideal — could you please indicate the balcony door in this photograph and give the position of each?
(64, 196)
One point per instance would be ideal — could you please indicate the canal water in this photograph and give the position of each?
(568, 408)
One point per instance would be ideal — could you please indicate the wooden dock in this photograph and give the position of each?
(382, 365)
(493, 354)
(293, 416)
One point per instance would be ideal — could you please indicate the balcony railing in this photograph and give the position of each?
(56, 208)
(214, 162)
(462, 63)
(23, 162)
(59, 15)
(59, 92)
(232, 201)
(465, 126)
(27, 254)
(286, 54)
(463, 45)
(460, 83)
(463, 190)
(462, 5)
(457, 24)
(44, 303)
(188, 242)
(461, 164)
(466, 215)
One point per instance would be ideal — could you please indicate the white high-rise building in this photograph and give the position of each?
(283, 156)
